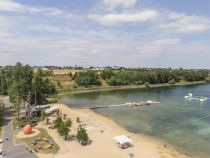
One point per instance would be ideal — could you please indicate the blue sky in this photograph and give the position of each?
(131, 33)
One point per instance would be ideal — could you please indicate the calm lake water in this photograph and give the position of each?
(181, 123)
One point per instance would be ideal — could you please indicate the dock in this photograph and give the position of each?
(134, 104)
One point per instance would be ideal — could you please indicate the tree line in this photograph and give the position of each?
(139, 76)
(86, 78)
(21, 83)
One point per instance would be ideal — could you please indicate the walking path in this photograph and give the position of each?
(11, 150)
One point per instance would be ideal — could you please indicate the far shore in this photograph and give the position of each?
(113, 88)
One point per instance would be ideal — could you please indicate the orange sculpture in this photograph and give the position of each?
(27, 129)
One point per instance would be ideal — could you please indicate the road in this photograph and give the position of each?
(12, 150)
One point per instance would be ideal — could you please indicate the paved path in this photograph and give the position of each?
(11, 150)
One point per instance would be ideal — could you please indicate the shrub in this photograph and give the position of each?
(146, 84)
(62, 127)
(69, 122)
(52, 101)
(172, 81)
(82, 136)
(78, 120)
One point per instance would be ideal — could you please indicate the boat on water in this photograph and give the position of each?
(150, 102)
(198, 98)
(135, 104)
(203, 98)
(188, 96)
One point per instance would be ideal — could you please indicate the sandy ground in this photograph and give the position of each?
(103, 145)
(21, 135)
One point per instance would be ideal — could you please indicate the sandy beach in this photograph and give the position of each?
(103, 145)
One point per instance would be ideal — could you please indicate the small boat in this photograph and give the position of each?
(134, 104)
(198, 98)
(149, 102)
(203, 99)
(188, 96)
(192, 98)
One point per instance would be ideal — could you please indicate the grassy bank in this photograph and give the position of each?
(111, 88)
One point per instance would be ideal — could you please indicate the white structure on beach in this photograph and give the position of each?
(123, 141)
(51, 110)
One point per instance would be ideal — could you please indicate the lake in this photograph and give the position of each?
(182, 123)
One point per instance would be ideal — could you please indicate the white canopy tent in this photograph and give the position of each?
(122, 139)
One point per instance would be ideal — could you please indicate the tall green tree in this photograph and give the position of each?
(21, 82)
(42, 86)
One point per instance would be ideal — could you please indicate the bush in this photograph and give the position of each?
(69, 123)
(146, 84)
(82, 136)
(52, 101)
(58, 121)
(78, 120)
(207, 79)
(62, 127)
(172, 81)
(138, 83)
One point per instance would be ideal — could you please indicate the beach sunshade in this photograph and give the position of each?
(122, 139)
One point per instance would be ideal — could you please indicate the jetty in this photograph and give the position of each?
(133, 104)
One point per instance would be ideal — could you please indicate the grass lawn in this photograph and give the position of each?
(43, 134)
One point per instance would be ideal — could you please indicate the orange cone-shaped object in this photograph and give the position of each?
(27, 129)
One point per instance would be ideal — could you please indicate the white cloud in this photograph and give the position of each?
(8, 5)
(5, 26)
(46, 28)
(119, 3)
(11, 6)
(114, 19)
(185, 23)
(156, 47)
(166, 42)
(83, 43)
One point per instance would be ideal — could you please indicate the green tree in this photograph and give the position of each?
(21, 82)
(43, 87)
(87, 78)
(63, 129)
(82, 136)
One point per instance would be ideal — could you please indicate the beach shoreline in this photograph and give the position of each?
(138, 135)
(144, 146)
